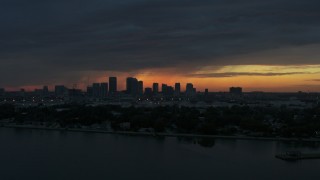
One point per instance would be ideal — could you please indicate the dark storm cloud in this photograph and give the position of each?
(42, 40)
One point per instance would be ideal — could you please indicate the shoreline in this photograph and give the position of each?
(162, 134)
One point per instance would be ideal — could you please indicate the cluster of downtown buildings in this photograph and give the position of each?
(109, 90)
(134, 88)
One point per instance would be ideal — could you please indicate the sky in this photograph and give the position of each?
(269, 45)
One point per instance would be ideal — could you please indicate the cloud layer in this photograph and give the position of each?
(53, 41)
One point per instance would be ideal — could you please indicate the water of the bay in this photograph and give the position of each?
(39, 154)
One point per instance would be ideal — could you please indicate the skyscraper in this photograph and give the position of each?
(164, 88)
(189, 89)
(113, 84)
(96, 90)
(132, 86)
(177, 89)
(103, 90)
(155, 88)
(140, 87)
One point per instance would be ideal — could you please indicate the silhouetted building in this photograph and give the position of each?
(74, 93)
(132, 86)
(45, 91)
(113, 85)
(140, 87)
(189, 89)
(60, 90)
(177, 89)
(164, 89)
(206, 92)
(169, 91)
(148, 92)
(103, 90)
(155, 88)
(236, 90)
(96, 90)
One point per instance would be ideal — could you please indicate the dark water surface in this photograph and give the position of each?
(38, 154)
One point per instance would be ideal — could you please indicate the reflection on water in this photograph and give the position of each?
(204, 142)
(50, 155)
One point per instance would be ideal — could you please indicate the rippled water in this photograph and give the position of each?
(46, 155)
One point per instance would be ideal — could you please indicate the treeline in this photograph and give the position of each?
(263, 121)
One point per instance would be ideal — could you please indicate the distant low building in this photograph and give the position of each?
(148, 92)
(60, 90)
(235, 90)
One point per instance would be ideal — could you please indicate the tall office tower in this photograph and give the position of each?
(113, 85)
(60, 90)
(236, 90)
(189, 89)
(132, 86)
(96, 90)
(177, 89)
(164, 89)
(103, 90)
(155, 88)
(140, 87)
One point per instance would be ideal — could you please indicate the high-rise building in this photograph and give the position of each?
(96, 90)
(155, 88)
(177, 89)
(132, 86)
(164, 88)
(113, 85)
(103, 90)
(189, 89)
(140, 87)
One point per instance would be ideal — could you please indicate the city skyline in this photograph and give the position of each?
(134, 86)
(201, 86)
